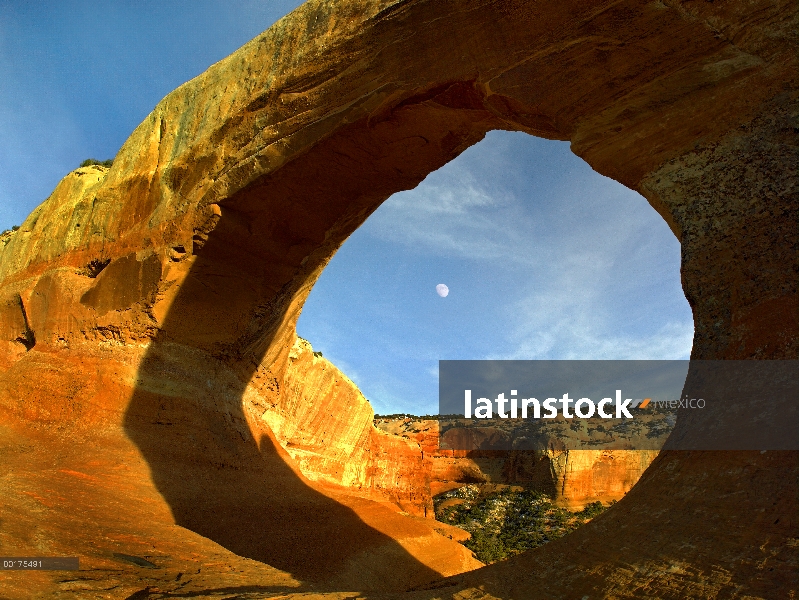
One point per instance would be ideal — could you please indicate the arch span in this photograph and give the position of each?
(228, 200)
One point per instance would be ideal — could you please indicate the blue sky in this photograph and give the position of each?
(76, 78)
(544, 258)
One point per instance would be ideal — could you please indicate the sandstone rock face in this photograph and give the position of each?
(148, 312)
(222, 503)
(326, 425)
(573, 478)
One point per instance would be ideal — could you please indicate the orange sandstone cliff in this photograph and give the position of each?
(573, 478)
(326, 425)
(153, 400)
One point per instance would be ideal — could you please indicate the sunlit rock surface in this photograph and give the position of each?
(148, 312)
(326, 425)
(572, 478)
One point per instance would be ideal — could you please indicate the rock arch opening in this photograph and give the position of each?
(544, 258)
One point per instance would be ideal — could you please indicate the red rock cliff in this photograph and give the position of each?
(573, 478)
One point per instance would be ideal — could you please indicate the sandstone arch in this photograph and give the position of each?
(228, 200)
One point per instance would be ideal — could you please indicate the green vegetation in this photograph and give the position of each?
(506, 522)
(13, 228)
(93, 161)
(94, 267)
(397, 416)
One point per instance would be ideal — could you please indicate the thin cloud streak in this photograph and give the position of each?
(454, 216)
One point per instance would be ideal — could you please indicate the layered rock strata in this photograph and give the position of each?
(326, 425)
(141, 308)
(572, 478)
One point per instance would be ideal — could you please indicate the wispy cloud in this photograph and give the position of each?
(587, 307)
(590, 257)
(451, 214)
(572, 336)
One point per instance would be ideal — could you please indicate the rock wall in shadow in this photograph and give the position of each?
(240, 492)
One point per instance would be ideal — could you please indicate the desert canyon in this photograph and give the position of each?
(160, 418)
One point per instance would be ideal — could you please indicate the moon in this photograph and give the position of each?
(442, 290)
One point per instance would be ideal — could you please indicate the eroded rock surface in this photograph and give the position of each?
(326, 425)
(572, 478)
(148, 312)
